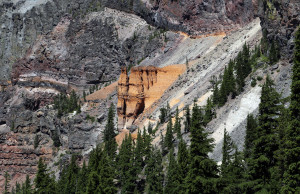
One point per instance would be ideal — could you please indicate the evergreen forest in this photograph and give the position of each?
(269, 162)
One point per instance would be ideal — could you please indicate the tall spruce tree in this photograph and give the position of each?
(109, 133)
(262, 160)
(169, 135)
(202, 173)
(125, 161)
(227, 151)
(291, 177)
(43, 182)
(139, 153)
(82, 179)
(209, 112)
(154, 173)
(172, 175)
(177, 125)
(251, 135)
(183, 162)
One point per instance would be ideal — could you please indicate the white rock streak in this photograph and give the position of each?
(247, 105)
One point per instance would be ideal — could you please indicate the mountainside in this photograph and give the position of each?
(63, 63)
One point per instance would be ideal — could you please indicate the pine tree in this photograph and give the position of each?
(43, 182)
(163, 115)
(125, 161)
(106, 174)
(147, 145)
(233, 178)
(6, 184)
(55, 138)
(139, 153)
(273, 53)
(240, 81)
(227, 151)
(262, 160)
(246, 65)
(202, 170)
(291, 177)
(109, 133)
(150, 128)
(216, 94)
(169, 135)
(101, 173)
(231, 80)
(27, 186)
(36, 141)
(183, 162)
(70, 186)
(172, 174)
(177, 125)
(251, 128)
(154, 172)
(224, 90)
(209, 113)
(82, 179)
(187, 122)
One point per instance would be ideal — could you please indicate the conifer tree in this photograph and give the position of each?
(273, 56)
(227, 151)
(70, 184)
(246, 65)
(216, 94)
(202, 170)
(209, 113)
(240, 81)
(147, 147)
(224, 88)
(27, 186)
(6, 184)
(101, 173)
(82, 179)
(291, 177)
(43, 182)
(187, 122)
(150, 128)
(125, 161)
(177, 125)
(109, 133)
(139, 153)
(154, 172)
(231, 80)
(183, 162)
(169, 135)
(172, 174)
(251, 128)
(262, 160)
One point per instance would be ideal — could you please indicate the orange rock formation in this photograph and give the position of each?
(141, 89)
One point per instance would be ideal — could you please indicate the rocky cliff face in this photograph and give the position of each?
(23, 21)
(137, 92)
(280, 19)
(81, 52)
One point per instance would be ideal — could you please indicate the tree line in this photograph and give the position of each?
(269, 162)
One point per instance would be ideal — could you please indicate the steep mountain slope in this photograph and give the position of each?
(60, 46)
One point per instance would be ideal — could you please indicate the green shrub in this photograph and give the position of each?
(259, 78)
(253, 82)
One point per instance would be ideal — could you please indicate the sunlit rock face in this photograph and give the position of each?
(145, 85)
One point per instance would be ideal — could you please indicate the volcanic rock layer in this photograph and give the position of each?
(141, 89)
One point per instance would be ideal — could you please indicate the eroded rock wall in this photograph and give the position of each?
(137, 92)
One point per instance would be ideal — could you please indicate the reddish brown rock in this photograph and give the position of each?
(141, 89)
